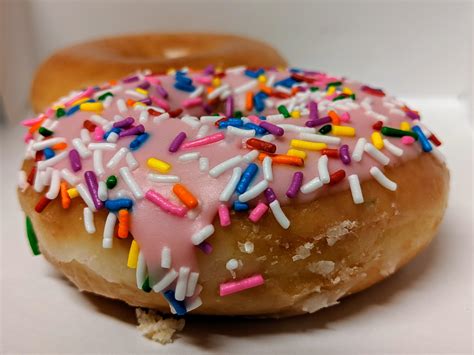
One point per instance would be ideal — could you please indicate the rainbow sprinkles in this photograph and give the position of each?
(165, 154)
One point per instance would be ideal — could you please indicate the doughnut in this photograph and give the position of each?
(243, 191)
(101, 60)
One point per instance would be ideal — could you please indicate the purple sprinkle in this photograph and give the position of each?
(93, 186)
(126, 122)
(344, 154)
(145, 85)
(146, 101)
(209, 70)
(295, 185)
(133, 131)
(205, 247)
(207, 108)
(177, 141)
(75, 160)
(273, 129)
(270, 195)
(161, 91)
(318, 122)
(130, 79)
(229, 106)
(413, 115)
(313, 110)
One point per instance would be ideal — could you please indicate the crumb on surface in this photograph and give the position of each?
(337, 232)
(155, 327)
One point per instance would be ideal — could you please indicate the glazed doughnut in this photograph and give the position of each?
(94, 62)
(254, 192)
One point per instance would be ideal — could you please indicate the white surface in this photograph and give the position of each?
(424, 308)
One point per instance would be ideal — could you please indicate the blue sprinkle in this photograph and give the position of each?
(295, 70)
(118, 204)
(184, 87)
(254, 74)
(258, 103)
(263, 118)
(138, 142)
(288, 82)
(178, 306)
(261, 95)
(48, 153)
(234, 122)
(183, 79)
(246, 178)
(115, 129)
(240, 206)
(72, 110)
(425, 143)
(259, 130)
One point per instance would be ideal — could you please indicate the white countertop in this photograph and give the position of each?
(424, 308)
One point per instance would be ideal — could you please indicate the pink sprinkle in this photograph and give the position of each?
(258, 212)
(345, 117)
(153, 80)
(206, 80)
(32, 121)
(27, 137)
(224, 216)
(160, 102)
(165, 204)
(254, 119)
(196, 101)
(213, 138)
(408, 140)
(87, 93)
(229, 288)
(49, 112)
(98, 134)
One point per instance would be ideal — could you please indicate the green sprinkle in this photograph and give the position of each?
(393, 132)
(238, 114)
(334, 83)
(313, 88)
(325, 129)
(340, 97)
(146, 285)
(283, 110)
(104, 95)
(30, 232)
(45, 132)
(60, 112)
(353, 96)
(111, 182)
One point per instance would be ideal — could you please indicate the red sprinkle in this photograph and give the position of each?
(153, 112)
(377, 125)
(261, 145)
(39, 156)
(434, 140)
(219, 121)
(89, 125)
(175, 113)
(337, 176)
(31, 175)
(331, 153)
(42, 203)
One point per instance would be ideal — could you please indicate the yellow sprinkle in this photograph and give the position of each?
(405, 126)
(159, 165)
(55, 107)
(297, 143)
(133, 255)
(142, 91)
(216, 82)
(297, 153)
(347, 91)
(262, 78)
(331, 90)
(170, 71)
(377, 140)
(91, 106)
(78, 102)
(295, 114)
(138, 103)
(280, 68)
(343, 131)
(72, 192)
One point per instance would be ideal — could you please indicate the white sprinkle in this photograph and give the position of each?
(268, 138)
(141, 271)
(437, 153)
(89, 220)
(189, 156)
(143, 118)
(236, 70)
(102, 191)
(165, 281)
(67, 175)
(254, 191)
(251, 156)
(203, 163)
(112, 137)
(115, 160)
(313, 137)
(43, 164)
(271, 80)
(107, 101)
(85, 136)
(131, 161)
(22, 180)
(217, 92)
(191, 121)
(29, 151)
(392, 148)
(267, 168)
(192, 282)
(359, 149)
(210, 119)
(81, 148)
(297, 129)
(53, 191)
(180, 290)
(248, 247)
(311, 185)
(382, 179)
(323, 169)
(84, 192)
(280, 216)
(131, 182)
(122, 193)
(166, 257)
(38, 184)
(235, 131)
(232, 264)
(202, 131)
(137, 95)
(198, 92)
(192, 304)
(201, 235)
(102, 146)
(275, 118)
(46, 176)
(245, 87)
(121, 105)
(108, 235)
(101, 121)
(376, 154)
(46, 143)
(225, 165)
(98, 162)
(163, 178)
(161, 118)
(231, 185)
(356, 190)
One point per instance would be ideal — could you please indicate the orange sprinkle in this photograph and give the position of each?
(283, 159)
(334, 117)
(266, 89)
(65, 199)
(37, 125)
(124, 221)
(185, 196)
(112, 82)
(249, 101)
(130, 102)
(59, 146)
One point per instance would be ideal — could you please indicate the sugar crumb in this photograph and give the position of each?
(155, 327)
